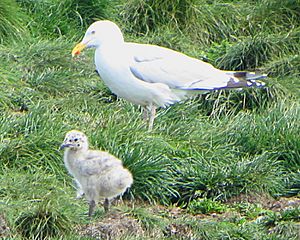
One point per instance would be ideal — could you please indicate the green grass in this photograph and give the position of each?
(213, 147)
(11, 21)
(45, 18)
(141, 17)
(206, 206)
(42, 223)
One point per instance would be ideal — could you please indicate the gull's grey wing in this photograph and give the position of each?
(156, 64)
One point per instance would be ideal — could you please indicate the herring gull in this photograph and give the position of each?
(152, 76)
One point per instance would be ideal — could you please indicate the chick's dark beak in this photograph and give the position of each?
(65, 145)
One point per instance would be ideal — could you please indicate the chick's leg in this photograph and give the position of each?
(106, 204)
(92, 205)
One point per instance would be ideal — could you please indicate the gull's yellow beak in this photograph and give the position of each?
(78, 48)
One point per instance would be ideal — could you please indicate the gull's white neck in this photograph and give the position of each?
(113, 63)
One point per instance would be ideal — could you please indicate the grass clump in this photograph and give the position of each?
(284, 66)
(262, 133)
(206, 206)
(11, 21)
(229, 103)
(254, 51)
(200, 153)
(217, 21)
(147, 219)
(291, 214)
(283, 224)
(250, 211)
(91, 10)
(46, 17)
(152, 182)
(42, 223)
(53, 18)
(147, 16)
(151, 169)
(213, 179)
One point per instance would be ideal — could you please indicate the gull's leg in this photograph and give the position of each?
(152, 116)
(92, 205)
(106, 204)
(145, 114)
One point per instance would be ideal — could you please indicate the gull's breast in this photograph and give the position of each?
(114, 69)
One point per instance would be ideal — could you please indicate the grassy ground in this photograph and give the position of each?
(224, 165)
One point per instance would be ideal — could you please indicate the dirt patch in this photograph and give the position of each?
(284, 203)
(178, 231)
(112, 226)
(171, 212)
(266, 201)
(4, 229)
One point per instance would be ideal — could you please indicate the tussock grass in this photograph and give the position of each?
(59, 94)
(210, 147)
(281, 122)
(209, 178)
(206, 206)
(11, 21)
(254, 51)
(231, 20)
(218, 21)
(225, 103)
(8, 98)
(142, 16)
(38, 203)
(41, 69)
(147, 219)
(284, 66)
(42, 223)
(281, 15)
(91, 10)
(46, 16)
(53, 18)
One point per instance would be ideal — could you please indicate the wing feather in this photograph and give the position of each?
(156, 64)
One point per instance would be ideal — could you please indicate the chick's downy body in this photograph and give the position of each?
(99, 174)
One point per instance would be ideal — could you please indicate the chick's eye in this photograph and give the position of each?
(93, 32)
(76, 139)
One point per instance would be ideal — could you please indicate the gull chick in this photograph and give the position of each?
(153, 76)
(99, 175)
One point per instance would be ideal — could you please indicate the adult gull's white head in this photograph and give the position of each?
(98, 34)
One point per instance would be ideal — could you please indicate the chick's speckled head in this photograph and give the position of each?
(75, 140)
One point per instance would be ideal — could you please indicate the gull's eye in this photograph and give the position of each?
(93, 32)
